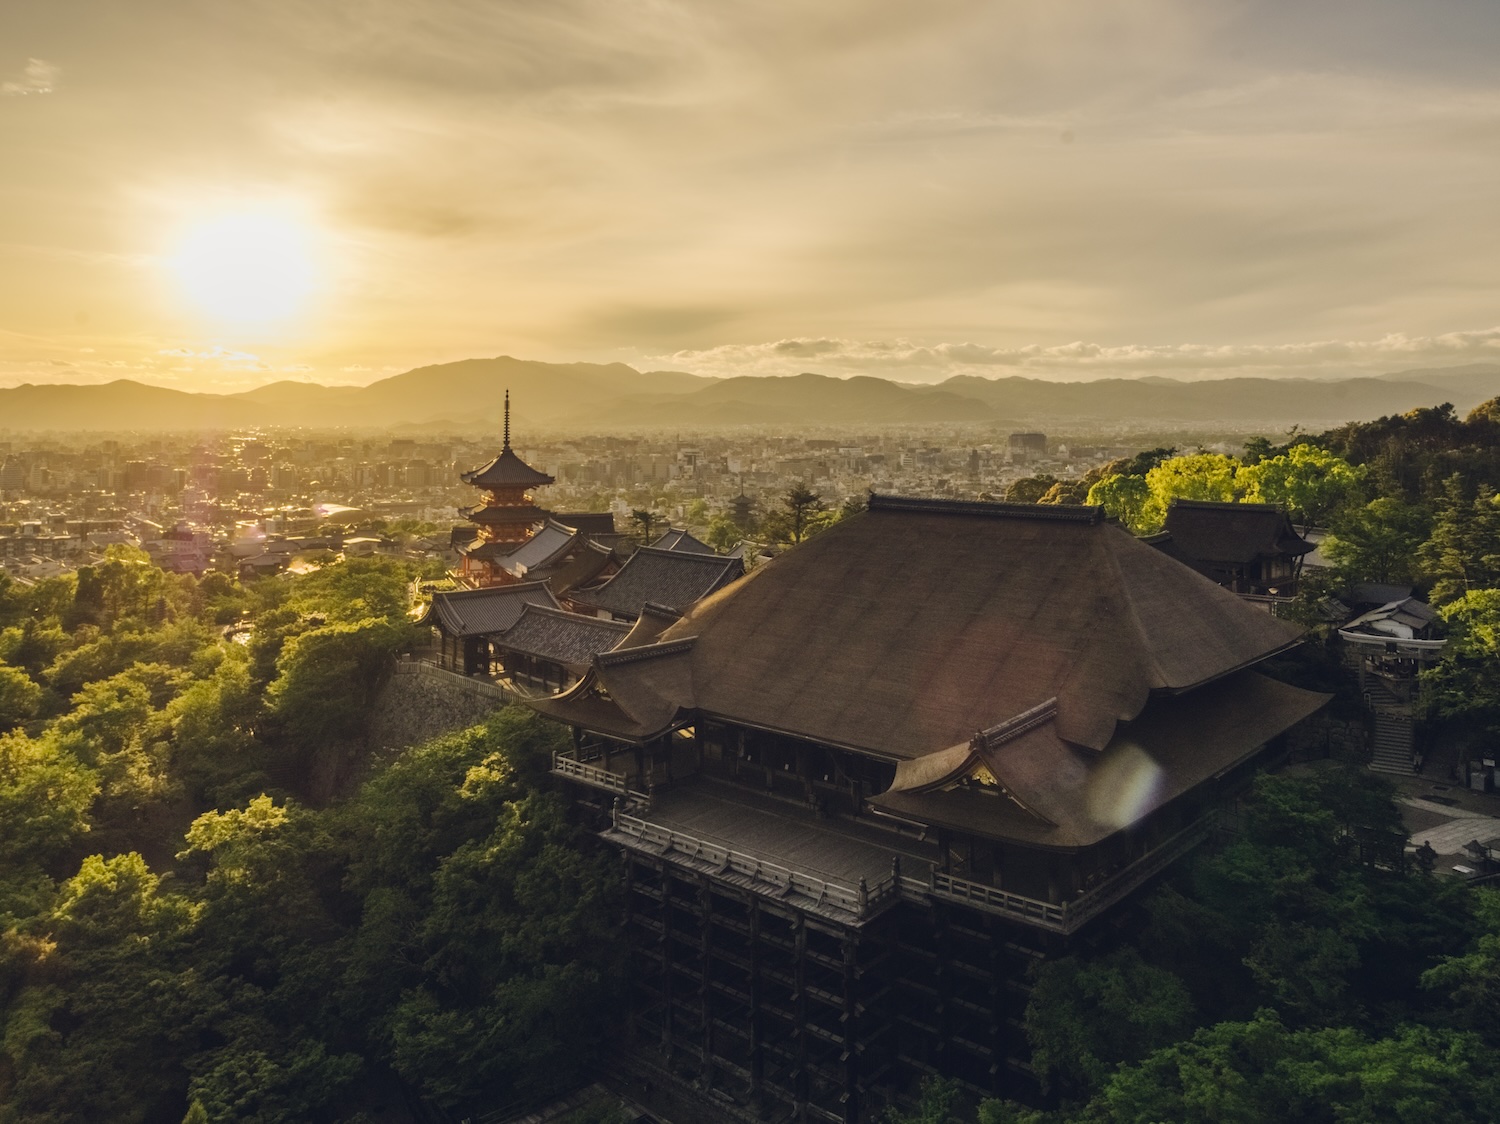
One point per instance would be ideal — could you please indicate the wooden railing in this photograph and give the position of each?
(860, 900)
(588, 774)
(863, 899)
(1043, 913)
(1065, 917)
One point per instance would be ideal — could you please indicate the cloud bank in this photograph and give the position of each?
(921, 362)
(38, 76)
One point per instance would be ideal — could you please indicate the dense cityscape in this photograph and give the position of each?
(238, 499)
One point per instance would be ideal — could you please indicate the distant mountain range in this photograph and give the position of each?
(604, 397)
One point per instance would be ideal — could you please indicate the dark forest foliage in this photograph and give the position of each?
(203, 913)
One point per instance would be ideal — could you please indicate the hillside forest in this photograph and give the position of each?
(219, 903)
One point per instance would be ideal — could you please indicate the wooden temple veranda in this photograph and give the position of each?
(858, 793)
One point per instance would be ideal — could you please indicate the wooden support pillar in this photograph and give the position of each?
(998, 999)
(757, 1019)
(799, 1007)
(851, 1024)
(666, 961)
(632, 1004)
(705, 996)
(942, 1014)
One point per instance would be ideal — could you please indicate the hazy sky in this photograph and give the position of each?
(208, 193)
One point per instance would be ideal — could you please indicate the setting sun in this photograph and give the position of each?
(246, 267)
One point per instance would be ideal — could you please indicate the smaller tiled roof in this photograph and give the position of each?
(672, 578)
(1377, 593)
(1229, 532)
(506, 470)
(483, 612)
(589, 522)
(567, 638)
(583, 568)
(482, 551)
(543, 548)
(1406, 619)
(678, 539)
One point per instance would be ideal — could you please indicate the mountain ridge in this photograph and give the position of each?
(598, 397)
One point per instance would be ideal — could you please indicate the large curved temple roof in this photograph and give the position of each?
(905, 631)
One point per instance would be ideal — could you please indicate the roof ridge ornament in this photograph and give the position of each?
(644, 652)
(1013, 727)
(506, 444)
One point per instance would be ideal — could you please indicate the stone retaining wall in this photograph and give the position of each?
(1324, 737)
(421, 701)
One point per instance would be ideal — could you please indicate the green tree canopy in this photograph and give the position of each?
(1463, 552)
(1260, 1070)
(802, 512)
(1030, 489)
(1199, 476)
(20, 697)
(1378, 542)
(1125, 498)
(1085, 1017)
(1465, 683)
(327, 677)
(1311, 483)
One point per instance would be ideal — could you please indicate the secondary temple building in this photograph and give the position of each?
(1249, 548)
(857, 793)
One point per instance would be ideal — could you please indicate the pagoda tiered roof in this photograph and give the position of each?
(506, 471)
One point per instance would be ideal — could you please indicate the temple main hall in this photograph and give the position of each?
(860, 791)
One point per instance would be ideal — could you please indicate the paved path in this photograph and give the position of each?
(1450, 836)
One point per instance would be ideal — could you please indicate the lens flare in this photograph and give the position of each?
(1126, 786)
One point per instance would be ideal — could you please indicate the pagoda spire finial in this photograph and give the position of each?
(507, 420)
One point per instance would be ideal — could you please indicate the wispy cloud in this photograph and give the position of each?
(1081, 359)
(214, 352)
(38, 76)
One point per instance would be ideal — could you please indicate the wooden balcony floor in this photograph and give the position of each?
(837, 850)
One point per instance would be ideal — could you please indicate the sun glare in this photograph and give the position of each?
(246, 267)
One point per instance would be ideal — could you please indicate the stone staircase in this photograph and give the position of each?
(1393, 740)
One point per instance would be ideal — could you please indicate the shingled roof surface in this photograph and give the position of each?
(582, 568)
(589, 522)
(1231, 532)
(671, 578)
(543, 548)
(903, 630)
(678, 539)
(1065, 796)
(482, 612)
(506, 470)
(562, 637)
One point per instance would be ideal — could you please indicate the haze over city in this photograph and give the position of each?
(213, 197)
